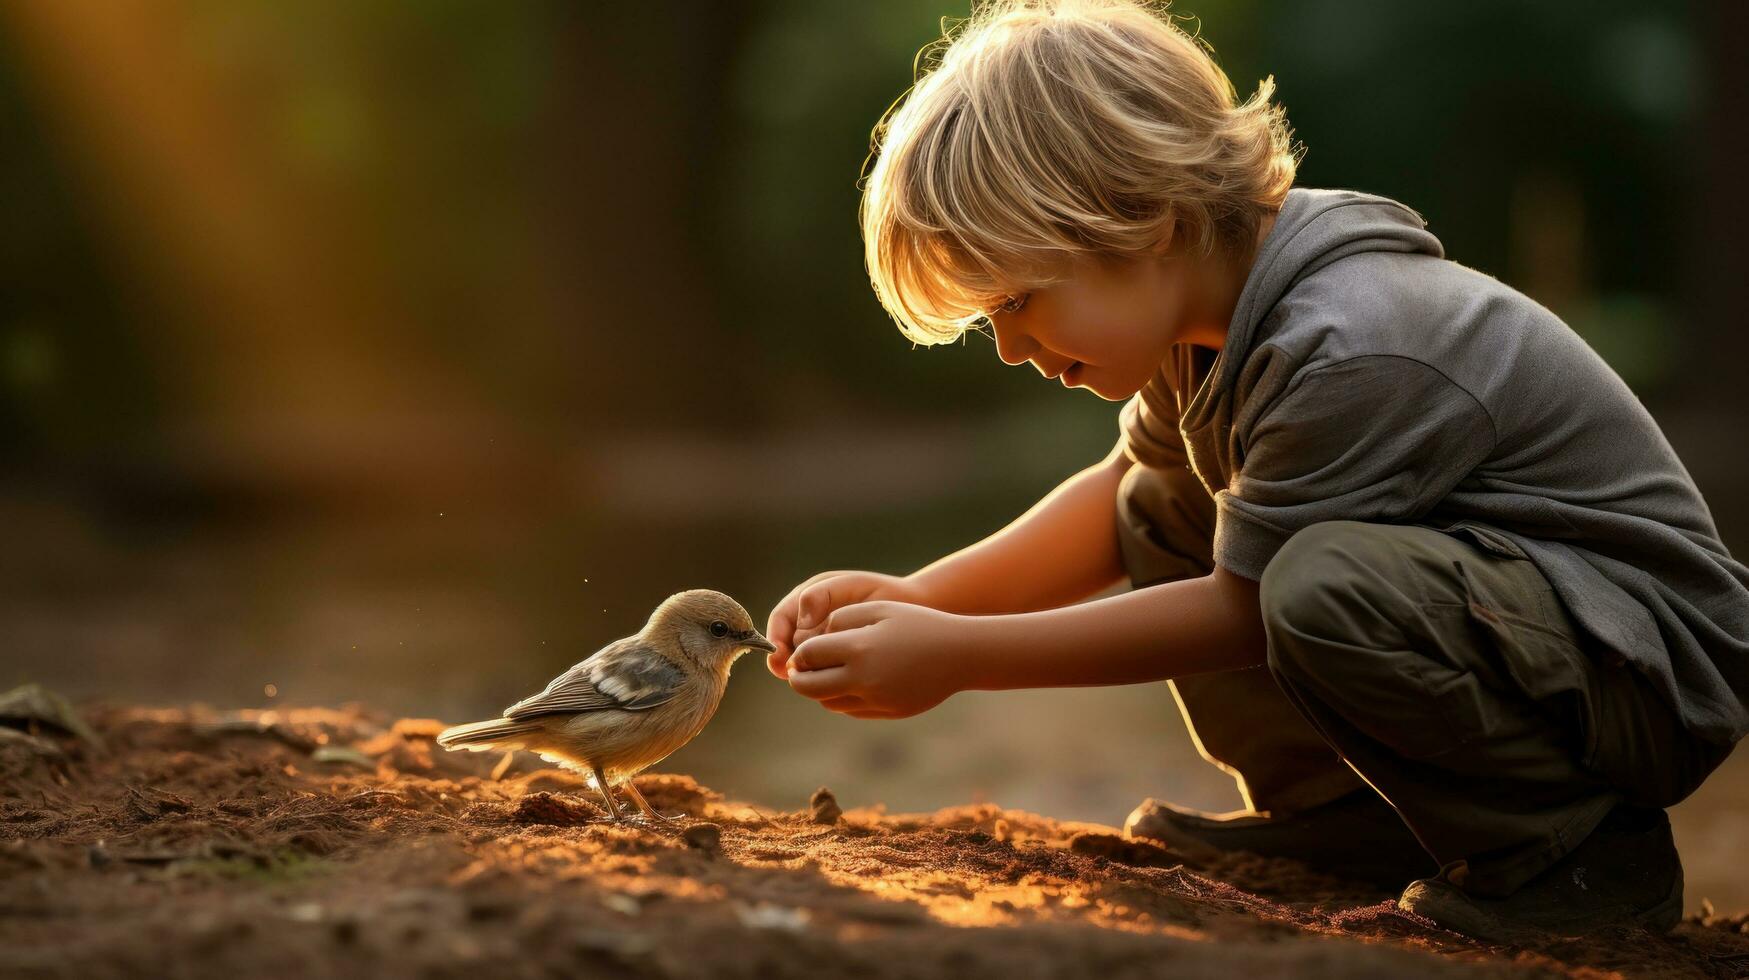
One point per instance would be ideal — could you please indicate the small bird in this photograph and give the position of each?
(630, 704)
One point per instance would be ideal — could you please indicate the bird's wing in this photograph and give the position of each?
(625, 675)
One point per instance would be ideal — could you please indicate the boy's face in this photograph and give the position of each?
(1106, 328)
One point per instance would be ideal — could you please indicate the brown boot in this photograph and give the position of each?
(1626, 873)
(1357, 836)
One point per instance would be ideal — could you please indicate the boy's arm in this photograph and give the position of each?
(1063, 549)
(1190, 626)
(1370, 438)
(893, 659)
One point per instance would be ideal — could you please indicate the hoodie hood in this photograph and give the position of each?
(1313, 229)
(1190, 399)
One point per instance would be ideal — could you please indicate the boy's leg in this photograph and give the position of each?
(1455, 681)
(1240, 721)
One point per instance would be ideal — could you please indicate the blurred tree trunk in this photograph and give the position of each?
(635, 155)
(1718, 397)
(1724, 208)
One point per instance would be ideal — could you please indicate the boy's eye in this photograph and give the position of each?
(1013, 304)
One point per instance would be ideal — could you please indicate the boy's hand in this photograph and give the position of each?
(805, 610)
(882, 659)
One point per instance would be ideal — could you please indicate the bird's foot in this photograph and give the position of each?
(649, 811)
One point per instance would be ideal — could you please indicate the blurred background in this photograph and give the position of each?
(406, 352)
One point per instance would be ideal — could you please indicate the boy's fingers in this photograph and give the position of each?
(820, 577)
(777, 660)
(781, 624)
(854, 615)
(778, 663)
(803, 612)
(845, 703)
(821, 684)
(780, 629)
(782, 617)
(819, 653)
(814, 605)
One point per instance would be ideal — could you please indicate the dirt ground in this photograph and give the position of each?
(313, 842)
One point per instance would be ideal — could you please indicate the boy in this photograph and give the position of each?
(1498, 630)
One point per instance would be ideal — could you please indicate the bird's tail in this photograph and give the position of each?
(481, 736)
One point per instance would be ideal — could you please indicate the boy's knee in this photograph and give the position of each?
(1318, 584)
(1317, 570)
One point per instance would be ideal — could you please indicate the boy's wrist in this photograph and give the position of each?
(936, 588)
(977, 658)
(917, 590)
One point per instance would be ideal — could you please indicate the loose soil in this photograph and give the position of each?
(315, 842)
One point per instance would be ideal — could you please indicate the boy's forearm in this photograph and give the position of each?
(1190, 626)
(1062, 550)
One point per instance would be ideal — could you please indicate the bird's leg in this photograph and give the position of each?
(644, 804)
(607, 794)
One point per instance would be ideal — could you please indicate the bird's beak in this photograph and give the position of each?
(754, 639)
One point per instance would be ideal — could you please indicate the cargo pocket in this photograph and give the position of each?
(1545, 665)
(1450, 703)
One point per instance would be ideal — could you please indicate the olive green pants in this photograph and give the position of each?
(1436, 665)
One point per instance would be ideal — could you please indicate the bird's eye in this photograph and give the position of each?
(719, 628)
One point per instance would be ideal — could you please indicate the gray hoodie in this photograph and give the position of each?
(1366, 377)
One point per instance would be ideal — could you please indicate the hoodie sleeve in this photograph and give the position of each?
(1371, 438)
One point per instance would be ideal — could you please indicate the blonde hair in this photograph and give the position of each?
(1041, 131)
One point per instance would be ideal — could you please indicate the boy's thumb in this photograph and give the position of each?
(778, 663)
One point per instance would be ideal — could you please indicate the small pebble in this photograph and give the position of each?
(823, 807)
(623, 904)
(703, 836)
(765, 915)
